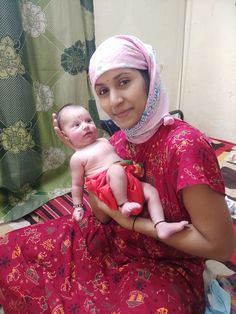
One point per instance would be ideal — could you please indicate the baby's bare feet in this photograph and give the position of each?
(129, 208)
(166, 229)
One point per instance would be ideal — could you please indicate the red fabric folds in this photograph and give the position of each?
(99, 186)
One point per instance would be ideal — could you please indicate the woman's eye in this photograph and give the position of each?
(102, 91)
(124, 82)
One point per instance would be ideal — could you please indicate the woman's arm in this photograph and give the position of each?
(211, 233)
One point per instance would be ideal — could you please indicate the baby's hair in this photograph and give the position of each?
(59, 119)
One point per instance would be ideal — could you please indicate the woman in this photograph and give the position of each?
(120, 267)
(173, 152)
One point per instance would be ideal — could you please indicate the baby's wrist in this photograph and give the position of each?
(79, 205)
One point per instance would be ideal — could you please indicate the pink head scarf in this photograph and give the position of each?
(125, 51)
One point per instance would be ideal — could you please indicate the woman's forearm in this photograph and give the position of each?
(189, 240)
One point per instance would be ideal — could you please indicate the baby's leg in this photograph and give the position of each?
(164, 229)
(117, 179)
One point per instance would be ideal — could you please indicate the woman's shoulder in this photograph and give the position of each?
(181, 131)
(119, 141)
(182, 127)
(117, 138)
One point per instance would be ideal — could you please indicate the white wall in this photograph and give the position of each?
(196, 37)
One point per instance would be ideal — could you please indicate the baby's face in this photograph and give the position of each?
(78, 126)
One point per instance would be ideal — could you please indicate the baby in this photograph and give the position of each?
(96, 166)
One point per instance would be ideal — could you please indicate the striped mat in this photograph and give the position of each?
(59, 206)
(55, 208)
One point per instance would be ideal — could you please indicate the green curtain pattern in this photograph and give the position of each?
(45, 46)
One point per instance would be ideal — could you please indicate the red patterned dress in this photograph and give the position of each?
(65, 267)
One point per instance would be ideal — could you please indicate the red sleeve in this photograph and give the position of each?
(196, 162)
(119, 142)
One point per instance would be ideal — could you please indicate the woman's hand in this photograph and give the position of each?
(104, 213)
(65, 140)
(97, 208)
(138, 224)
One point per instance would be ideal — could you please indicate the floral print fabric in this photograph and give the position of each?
(44, 63)
(65, 267)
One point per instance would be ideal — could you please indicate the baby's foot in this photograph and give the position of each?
(78, 213)
(166, 229)
(129, 208)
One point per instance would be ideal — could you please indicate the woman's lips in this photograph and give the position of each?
(122, 114)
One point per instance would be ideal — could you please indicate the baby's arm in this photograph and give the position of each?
(77, 175)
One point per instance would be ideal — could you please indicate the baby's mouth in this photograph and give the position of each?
(87, 133)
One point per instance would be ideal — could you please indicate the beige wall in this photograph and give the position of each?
(195, 42)
(209, 77)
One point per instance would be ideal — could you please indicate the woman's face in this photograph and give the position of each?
(122, 95)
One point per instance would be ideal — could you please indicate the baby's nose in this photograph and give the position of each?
(84, 125)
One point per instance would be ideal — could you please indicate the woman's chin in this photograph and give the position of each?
(125, 125)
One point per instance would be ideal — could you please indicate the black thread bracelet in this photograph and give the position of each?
(158, 223)
(81, 205)
(134, 222)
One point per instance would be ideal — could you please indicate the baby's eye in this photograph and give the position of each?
(77, 124)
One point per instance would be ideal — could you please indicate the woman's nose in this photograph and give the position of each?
(115, 98)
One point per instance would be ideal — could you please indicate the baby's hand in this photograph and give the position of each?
(78, 213)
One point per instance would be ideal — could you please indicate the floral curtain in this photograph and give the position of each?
(45, 46)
